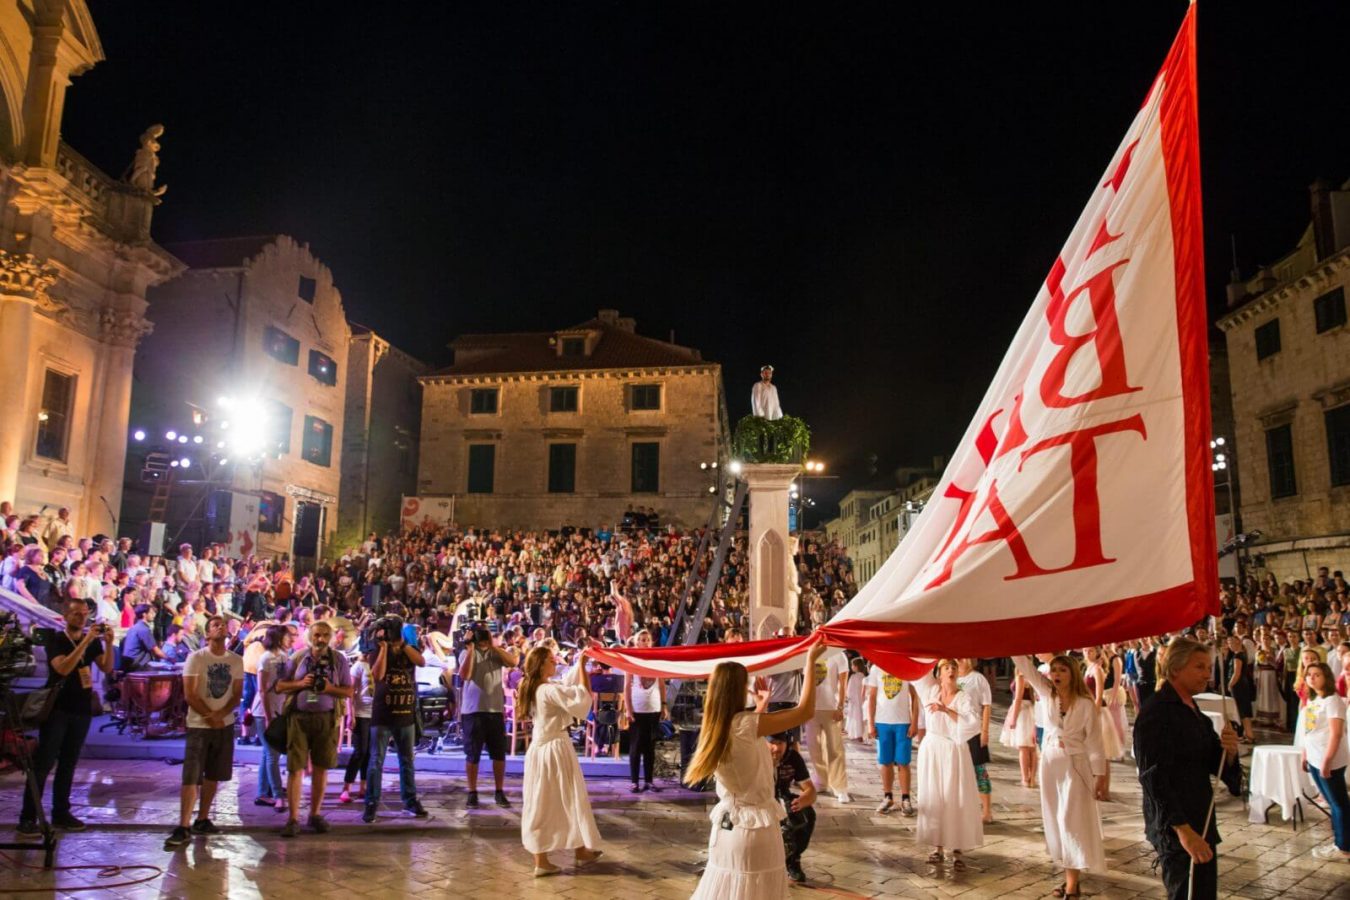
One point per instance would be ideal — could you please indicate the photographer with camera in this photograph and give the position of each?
(320, 679)
(70, 655)
(483, 711)
(800, 821)
(393, 715)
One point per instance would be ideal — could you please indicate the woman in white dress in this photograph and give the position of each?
(1097, 677)
(746, 860)
(1073, 770)
(557, 810)
(854, 727)
(1019, 729)
(949, 800)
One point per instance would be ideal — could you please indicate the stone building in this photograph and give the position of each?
(75, 261)
(382, 426)
(247, 369)
(849, 528)
(1289, 363)
(883, 516)
(571, 427)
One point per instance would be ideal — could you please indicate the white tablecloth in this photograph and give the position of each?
(1217, 703)
(1217, 721)
(1278, 777)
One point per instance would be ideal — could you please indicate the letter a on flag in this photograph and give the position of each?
(1078, 508)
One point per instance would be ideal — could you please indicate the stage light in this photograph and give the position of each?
(138, 434)
(220, 445)
(703, 466)
(170, 435)
(185, 462)
(174, 464)
(224, 461)
(182, 439)
(734, 467)
(196, 439)
(712, 488)
(1218, 441)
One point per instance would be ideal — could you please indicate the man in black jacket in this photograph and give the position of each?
(1177, 752)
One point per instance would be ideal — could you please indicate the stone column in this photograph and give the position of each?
(16, 337)
(769, 547)
(23, 286)
(121, 328)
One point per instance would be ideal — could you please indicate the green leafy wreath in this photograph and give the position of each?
(761, 440)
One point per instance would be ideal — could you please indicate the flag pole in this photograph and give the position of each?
(1223, 757)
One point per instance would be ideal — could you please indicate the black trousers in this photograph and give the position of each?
(796, 840)
(642, 744)
(60, 740)
(1175, 868)
(360, 758)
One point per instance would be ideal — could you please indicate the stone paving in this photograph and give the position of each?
(656, 844)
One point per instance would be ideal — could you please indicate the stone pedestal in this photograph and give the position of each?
(770, 547)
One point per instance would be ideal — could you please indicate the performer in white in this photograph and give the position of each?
(764, 396)
(557, 813)
(824, 730)
(1073, 769)
(949, 806)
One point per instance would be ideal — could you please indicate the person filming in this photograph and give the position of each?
(393, 715)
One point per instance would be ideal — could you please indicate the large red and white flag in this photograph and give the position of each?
(1078, 507)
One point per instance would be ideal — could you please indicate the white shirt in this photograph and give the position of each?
(892, 697)
(764, 400)
(215, 684)
(976, 687)
(645, 699)
(1317, 717)
(827, 682)
(187, 570)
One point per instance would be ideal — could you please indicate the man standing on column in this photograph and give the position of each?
(764, 396)
(825, 730)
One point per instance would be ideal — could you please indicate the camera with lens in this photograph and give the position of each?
(321, 675)
(386, 629)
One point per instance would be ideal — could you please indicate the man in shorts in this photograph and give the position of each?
(320, 680)
(213, 682)
(483, 711)
(894, 708)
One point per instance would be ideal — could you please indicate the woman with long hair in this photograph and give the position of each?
(949, 800)
(644, 702)
(1241, 685)
(746, 859)
(1096, 667)
(557, 810)
(1325, 755)
(1073, 769)
(1019, 729)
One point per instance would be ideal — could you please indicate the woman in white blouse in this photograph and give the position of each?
(746, 860)
(949, 800)
(1073, 769)
(557, 810)
(1325, 755)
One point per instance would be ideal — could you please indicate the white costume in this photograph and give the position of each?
(1071, 759)
(747, 861)
(764, 400)
(949, 801)
(557, 811)
(854, 727)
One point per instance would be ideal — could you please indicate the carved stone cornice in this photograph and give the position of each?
(122, 328)
(25, 277)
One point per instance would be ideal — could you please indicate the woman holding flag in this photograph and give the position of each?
(1073, 770)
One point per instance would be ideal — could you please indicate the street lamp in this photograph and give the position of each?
(1221, 464)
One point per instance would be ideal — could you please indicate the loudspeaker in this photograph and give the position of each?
(151, 542)
(218, 517)
(307, 519)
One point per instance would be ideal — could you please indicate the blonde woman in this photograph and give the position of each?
(746, 859)
(557, 810)
(1073, 769)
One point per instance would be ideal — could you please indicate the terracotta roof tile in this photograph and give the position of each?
(617, 348)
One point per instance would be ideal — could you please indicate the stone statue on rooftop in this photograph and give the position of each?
(146, 162)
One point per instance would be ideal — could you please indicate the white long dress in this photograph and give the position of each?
(854, 728)
(557, 810)
(746, 862)
(949, 801)
(1071, 758)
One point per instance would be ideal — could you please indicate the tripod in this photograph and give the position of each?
(12, 721)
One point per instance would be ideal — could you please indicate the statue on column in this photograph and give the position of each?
(764, 396)
(146, 162)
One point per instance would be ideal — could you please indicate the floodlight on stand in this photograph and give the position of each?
(734, 467)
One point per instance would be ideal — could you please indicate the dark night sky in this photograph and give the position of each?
(867, 196)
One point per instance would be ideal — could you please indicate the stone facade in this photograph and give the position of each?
(250, 353)
(854, 516)
(382, 426)
(1289, 363)
(633, 419)
(76, 259)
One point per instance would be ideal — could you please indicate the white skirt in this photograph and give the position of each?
(1111, 747)
(1024, 734)
(744, 864)
(949, 801)
(556, 814)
